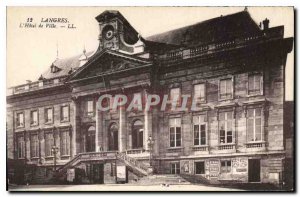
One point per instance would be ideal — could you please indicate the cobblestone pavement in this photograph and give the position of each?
(118, 187)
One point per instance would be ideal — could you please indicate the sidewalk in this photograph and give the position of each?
(118, 187)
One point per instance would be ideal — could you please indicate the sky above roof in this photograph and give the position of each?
(31, 51)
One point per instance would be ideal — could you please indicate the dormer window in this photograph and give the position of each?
(54, 68)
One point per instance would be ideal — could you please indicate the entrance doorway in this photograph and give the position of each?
(254, 170)
(90, 139)
(113, 137)
(137, 134)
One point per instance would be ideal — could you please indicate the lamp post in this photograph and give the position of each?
(54, 151)
(150, 144)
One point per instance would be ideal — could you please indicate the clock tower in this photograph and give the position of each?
(117, 34)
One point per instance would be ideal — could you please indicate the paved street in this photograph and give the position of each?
(118, 187)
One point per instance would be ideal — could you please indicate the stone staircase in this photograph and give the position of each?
(137, 167)
(160, 179)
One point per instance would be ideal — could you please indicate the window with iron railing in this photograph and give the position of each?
(175, 132)
(254, 125)
(34, 145)
(49, 143)
(20, 147)
(65, 143)
(200, 130)
(225, 127)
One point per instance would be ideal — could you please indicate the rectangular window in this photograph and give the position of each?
(90, 108)
(225, 127)
(34, 145)
(226, 89)
(65, 143)
(21, 147)
(49, 115)
(199, 93)
(64, 113)
(225, 166)
(254, 125)
(199, 167)
(255, 84)
(34, 118)
(175, 95)
(20, 119)
(49, 143)
(175, 168)
(175, 132)
(199, 130)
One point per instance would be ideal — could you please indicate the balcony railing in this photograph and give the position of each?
(200, 148)
(179, 54)
(31, 86)
(136, 151)
(226, 147)
(255, 144)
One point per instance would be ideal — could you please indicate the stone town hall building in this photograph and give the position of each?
(233, 67)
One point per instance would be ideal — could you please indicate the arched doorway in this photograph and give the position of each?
(137, 134)
(90, 139)
(113, 137)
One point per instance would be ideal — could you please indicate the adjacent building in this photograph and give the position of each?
(234, 69)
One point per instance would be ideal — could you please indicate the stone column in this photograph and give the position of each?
(56, 141)
(27, 145)
(148, 128)
(41, 137)
(99, 128)
(122, 129)
(75, 127)
(155, 122)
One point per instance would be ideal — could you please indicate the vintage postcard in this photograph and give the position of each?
(150, 99)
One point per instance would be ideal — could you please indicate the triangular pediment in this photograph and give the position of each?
(107, 62)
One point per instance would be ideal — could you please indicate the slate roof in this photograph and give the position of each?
(64, 65)
(223, 28)
(213, 30)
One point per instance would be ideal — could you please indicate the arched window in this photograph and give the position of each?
(90, 139)
(113, 137)
(137, 134)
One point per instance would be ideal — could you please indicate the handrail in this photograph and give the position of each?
(132, 161)
(179, 54)
(88, 156)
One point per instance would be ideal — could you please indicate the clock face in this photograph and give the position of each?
(108, 32)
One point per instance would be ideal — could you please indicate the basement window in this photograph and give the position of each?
(175, 168)
(199, 167)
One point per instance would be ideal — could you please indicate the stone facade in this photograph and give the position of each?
(224, 150)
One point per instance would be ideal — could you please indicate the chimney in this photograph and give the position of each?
(266, 24)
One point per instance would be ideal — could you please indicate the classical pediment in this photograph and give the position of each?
(107, 62)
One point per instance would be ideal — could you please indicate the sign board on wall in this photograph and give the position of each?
(186, 167)
(70, 175)
(214, 168)
(121, 173)
(240, 165)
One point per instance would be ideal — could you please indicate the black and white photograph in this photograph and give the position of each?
(150, 98)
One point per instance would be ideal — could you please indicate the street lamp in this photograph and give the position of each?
(54, 151)
(150, 144)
